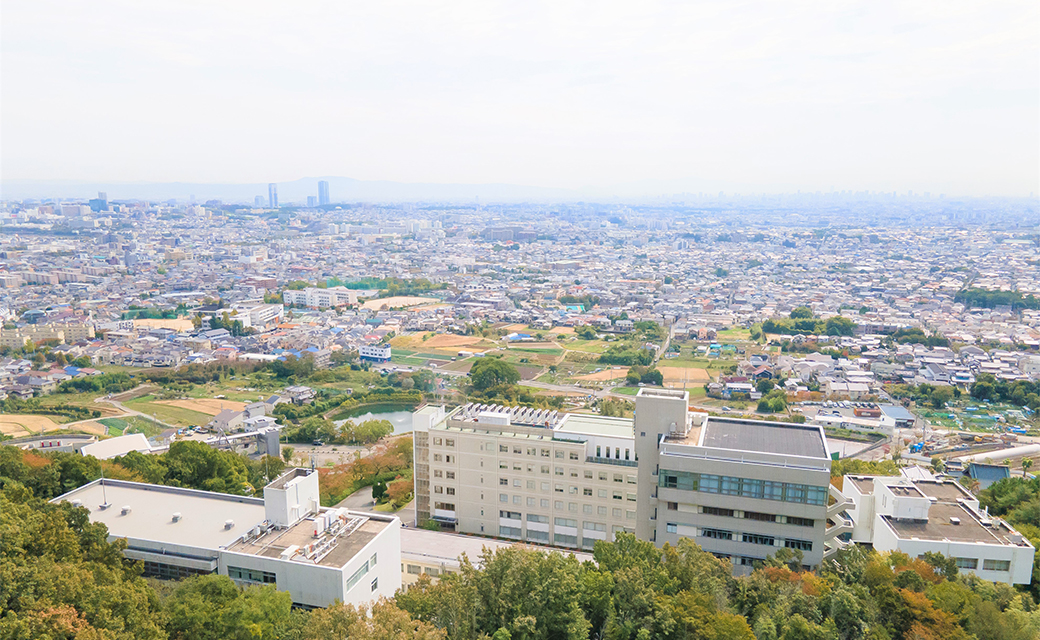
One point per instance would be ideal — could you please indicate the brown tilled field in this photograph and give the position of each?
(680, 374)
(17, 425)
(208, 406)
(607, 374)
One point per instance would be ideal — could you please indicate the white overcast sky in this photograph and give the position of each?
(753, 96)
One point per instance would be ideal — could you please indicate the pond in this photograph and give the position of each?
(400, 418)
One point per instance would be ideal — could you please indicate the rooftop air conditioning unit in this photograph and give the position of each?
(77, 502)
(229, 524)
(177, 516)
(955, 520)
(126, 509)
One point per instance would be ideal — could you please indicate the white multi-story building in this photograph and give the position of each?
(740, 488)
(375, 352)
(287, 539)
(321, 298)
(895, 513)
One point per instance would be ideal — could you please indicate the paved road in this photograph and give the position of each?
(361, 500)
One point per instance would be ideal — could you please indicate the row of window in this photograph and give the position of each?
(750, 515)
(251, 575)
(544, 469)
(559, 522)
(570, 506)
(415, 570)
(437, 473)
(559, 488)
(164, 571)
(562, 539)
(440, 457)
(445, 490)
(750, 538)
(447, 442)
(987, 565)
(360, 573)
(744, 487)
(535, 451)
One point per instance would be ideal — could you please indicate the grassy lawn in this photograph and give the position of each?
(734, 334)
(627, 391)
(552, 351)
(588, 346)
(171, 415)
(143, 425)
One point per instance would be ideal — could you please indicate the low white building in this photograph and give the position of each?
(323, 298)
(894, 513)
(375, 352)
(285, 539)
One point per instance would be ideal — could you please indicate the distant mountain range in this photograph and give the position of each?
(340, 190)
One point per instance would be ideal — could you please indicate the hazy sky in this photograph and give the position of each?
(753, 96)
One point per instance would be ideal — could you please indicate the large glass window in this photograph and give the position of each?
(996, 565)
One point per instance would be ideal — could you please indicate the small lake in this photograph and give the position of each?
(401, 419)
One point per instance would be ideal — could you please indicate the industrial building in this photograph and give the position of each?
(317, 555)
(917, 516)
(740, 488)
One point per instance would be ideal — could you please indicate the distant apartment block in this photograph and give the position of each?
(320, 298)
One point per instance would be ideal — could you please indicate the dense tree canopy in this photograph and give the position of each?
(492, 372)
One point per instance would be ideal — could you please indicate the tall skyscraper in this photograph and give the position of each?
(272, 195)
(323, 192)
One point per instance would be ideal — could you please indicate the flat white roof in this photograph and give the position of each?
(118, 446)
(203, 513)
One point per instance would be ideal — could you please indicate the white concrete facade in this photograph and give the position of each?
(894, 513)
(319, 556)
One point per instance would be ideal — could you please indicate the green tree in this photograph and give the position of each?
(492, 372)
(799, 313)
(211, 607)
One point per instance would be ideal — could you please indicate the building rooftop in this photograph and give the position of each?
(435, 546)
(203, 514)
(955, 522)
(764, 437)
(340, 545)
(590, 425)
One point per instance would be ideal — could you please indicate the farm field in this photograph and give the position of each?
(605, 375)
(209, 406)
(17, 425)
(683, 374)
(397, 302)
(173, 415)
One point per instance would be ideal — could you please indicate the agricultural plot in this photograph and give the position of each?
(17, 425)
(173, 415)
(209, 406)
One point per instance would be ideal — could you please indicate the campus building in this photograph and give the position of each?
(740, 488)
(286, 538)
(895, 513)
(375, 352)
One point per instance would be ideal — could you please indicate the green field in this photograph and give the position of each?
(626, 391)
(176, 416)
(115, 425)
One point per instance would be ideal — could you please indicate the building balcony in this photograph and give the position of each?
(613, 461)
